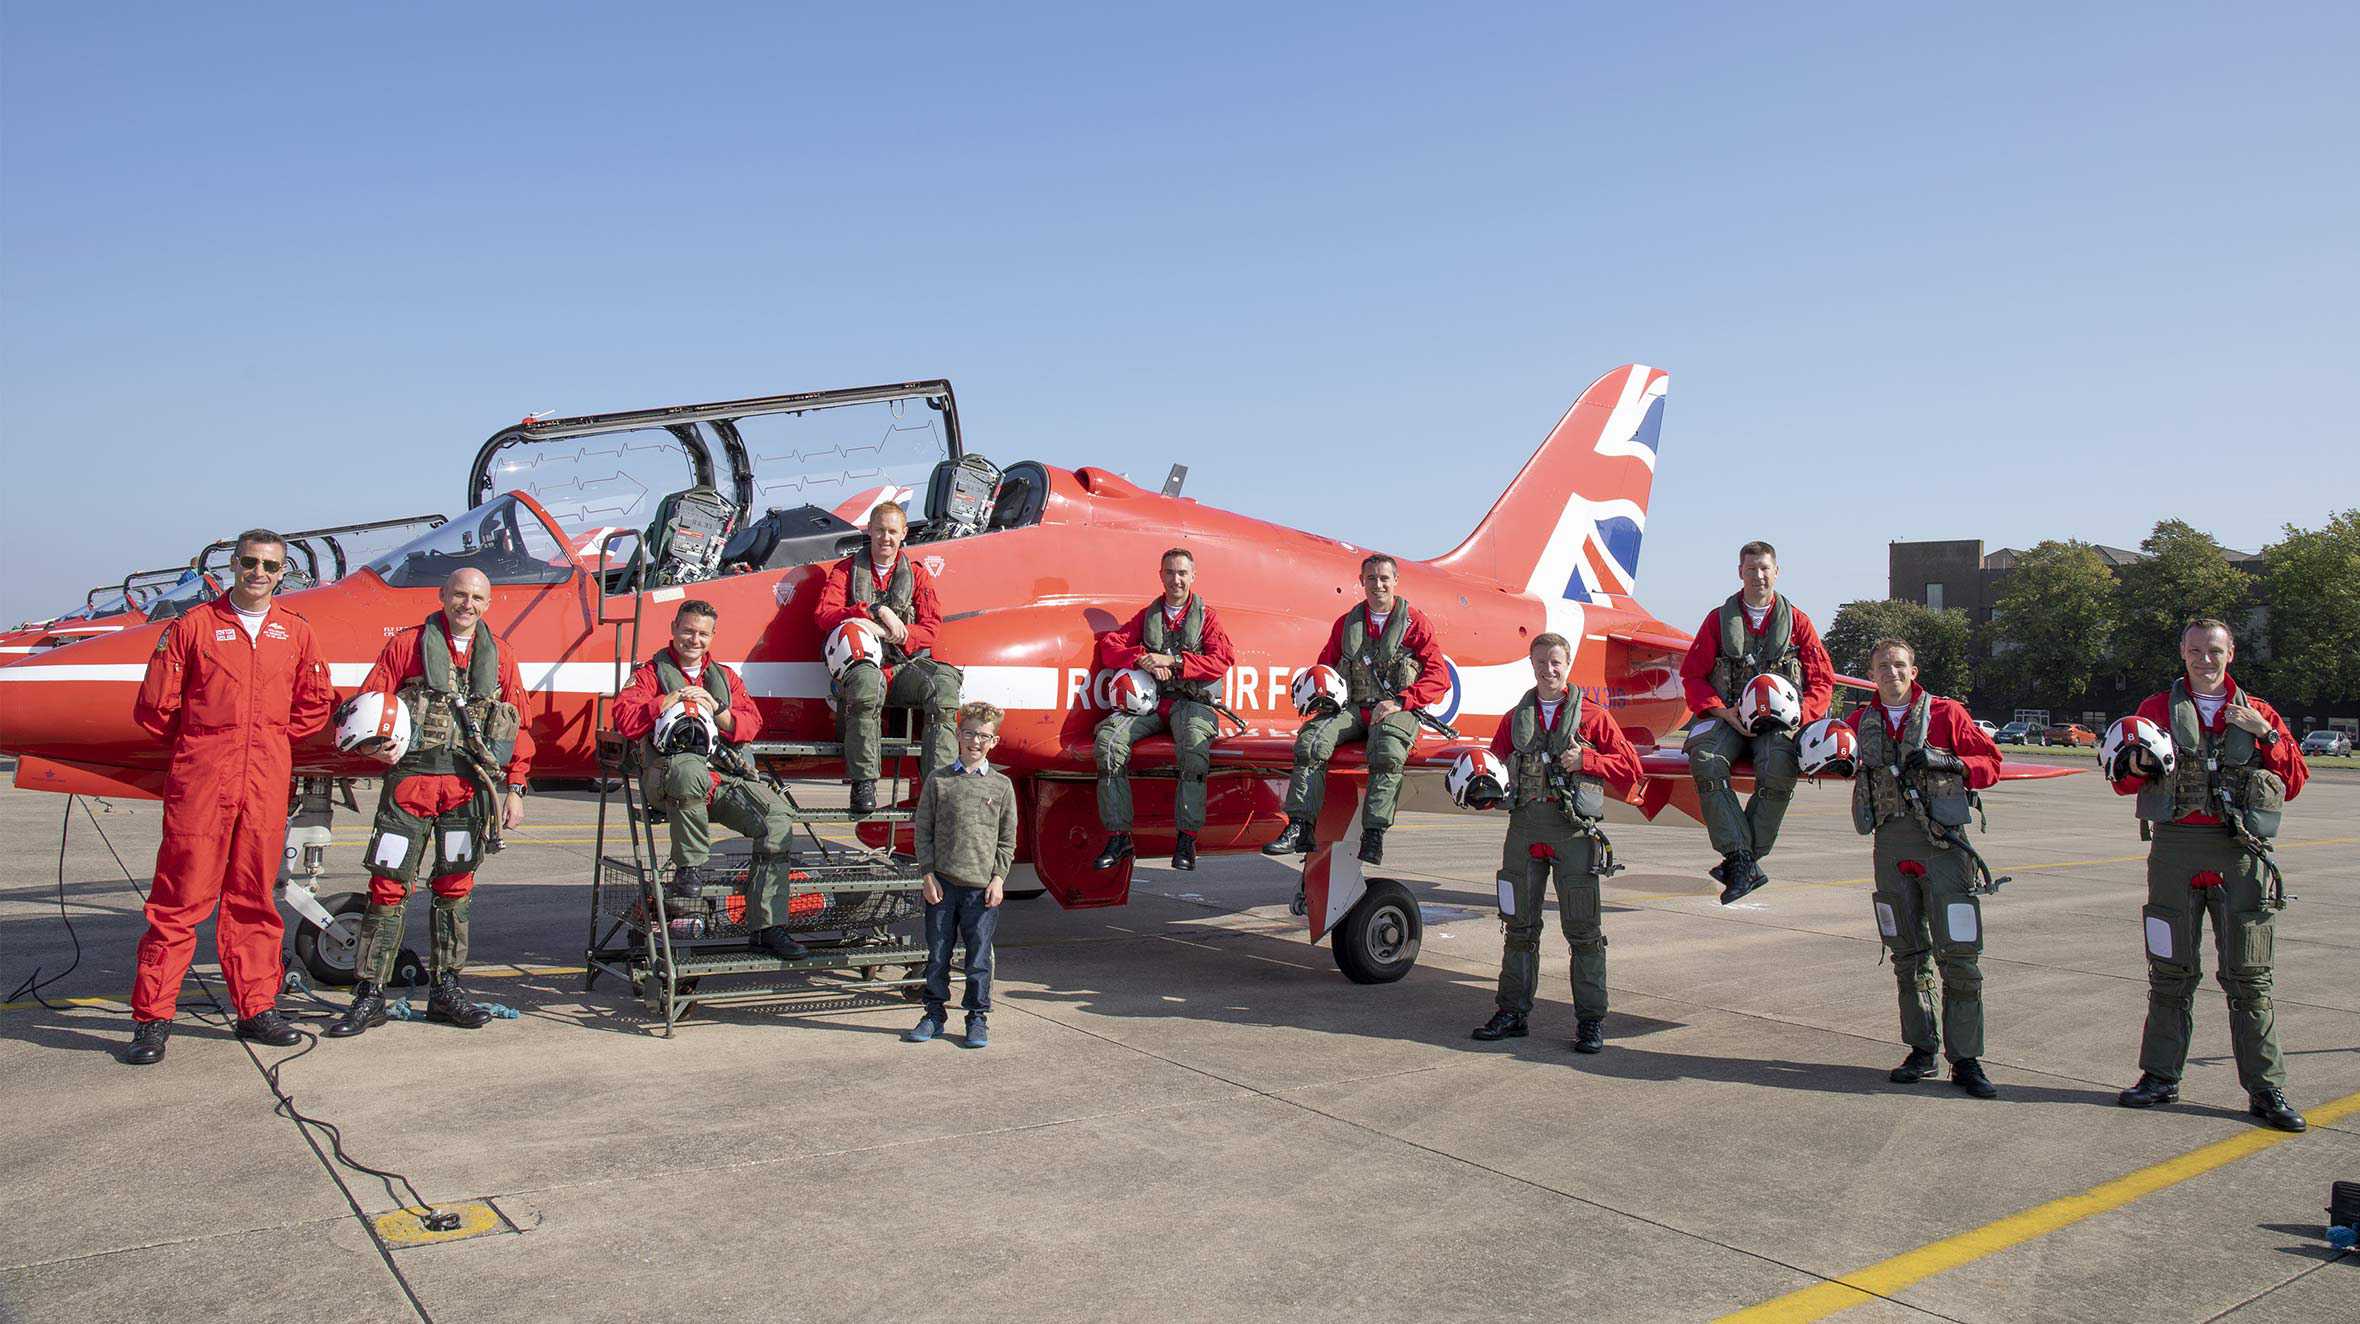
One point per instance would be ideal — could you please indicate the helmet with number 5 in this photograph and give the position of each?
(1769, 703)
(1132, 692)
(1828, 749)
(1478, 780)
(2127, 737)
(371, 722)
(851, 644)
(1318, 691)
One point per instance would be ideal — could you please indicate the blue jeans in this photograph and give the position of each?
(960, 915)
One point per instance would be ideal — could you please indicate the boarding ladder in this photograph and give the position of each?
(852, 899)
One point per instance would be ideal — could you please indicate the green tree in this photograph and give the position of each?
(1940, 638)
(2053, 626)
(2185, 575)
(2312, 582)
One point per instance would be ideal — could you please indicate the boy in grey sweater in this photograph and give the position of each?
(966, 831)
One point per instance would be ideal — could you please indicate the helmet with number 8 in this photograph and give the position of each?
(1318, 691)
(1769, 703)
(851, 644)
(1132, 691)
(1828, 749)
(2129, 736)
(372, 722)
(1478, 780)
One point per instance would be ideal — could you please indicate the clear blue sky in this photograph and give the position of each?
(1917, 271)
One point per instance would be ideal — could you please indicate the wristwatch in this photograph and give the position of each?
(516, 788)
(2268, 738)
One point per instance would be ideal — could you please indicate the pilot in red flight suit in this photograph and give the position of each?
(231, 686)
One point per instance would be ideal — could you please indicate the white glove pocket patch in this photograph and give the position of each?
(2159, 938)
(391, 851)
(1965, 925)
(455, 845)
(1507, 895)
(1886, 923)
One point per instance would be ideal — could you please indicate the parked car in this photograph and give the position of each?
(1986, 727)
(2329, 741)
(2017, 733)
(2070, 733)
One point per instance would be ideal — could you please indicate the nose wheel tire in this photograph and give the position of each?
(328, 954)
(1377, 942)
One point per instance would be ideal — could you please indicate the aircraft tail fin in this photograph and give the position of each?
(1570, 525)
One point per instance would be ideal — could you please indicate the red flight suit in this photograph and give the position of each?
(641, 704)
(1948, 726)
(1819, 670)
(231, 707)
(835, 605)
(2284, 757)
(1121, 649)
(1417, 640)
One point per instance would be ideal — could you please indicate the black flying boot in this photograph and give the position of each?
(1587, 1037)
(688, 883)
(1295, 839)
(1184, 851)
(1504, 1024)
(366, 1012)
(269, 1027)
(864, 796)
(1372, 845)
(1740, 875)
(1967, 1074)
(1914, 1068)
(1118, 849)
(2271, 1106)
(449, 1003)
(774, 941)
(147, 1043)
(2151, 1090)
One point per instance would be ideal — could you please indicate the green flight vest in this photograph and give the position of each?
(1581, 795)
(1745, 655)
(2205, 768)
(901, 594)
(1191, 639)
(1880, 788)
(438, 698)
(1377, 668)
(669, 677)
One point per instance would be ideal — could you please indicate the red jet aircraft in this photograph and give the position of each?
(1028, 580)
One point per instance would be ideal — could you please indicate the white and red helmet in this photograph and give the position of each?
(1828, 749)
(854, 643)
(1132, 692)
(2128, 736)
(1318, 690)
(372, 722)
(1478, 780)
(1769, 703)
(686, 727)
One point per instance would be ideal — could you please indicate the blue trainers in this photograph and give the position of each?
(976, 1037)
(927, 1027)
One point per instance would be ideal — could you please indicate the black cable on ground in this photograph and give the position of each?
(431, 1217)
(34, 983)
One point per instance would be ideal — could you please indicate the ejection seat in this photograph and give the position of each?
(685, 540)
(959, 497)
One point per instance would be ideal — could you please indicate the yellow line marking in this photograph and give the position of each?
(401, 1229)
(1886, 1277)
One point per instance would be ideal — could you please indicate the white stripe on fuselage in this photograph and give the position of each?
(1484, 691)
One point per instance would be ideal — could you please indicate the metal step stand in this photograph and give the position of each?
(849, 903)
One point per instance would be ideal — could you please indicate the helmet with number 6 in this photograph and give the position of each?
(371, 722)
(1769, 703)
(1478, 780)
(1132, 692)
(1318, 691)
(1828, 749)
(2129, 736)
(854, 643)
(686, 728)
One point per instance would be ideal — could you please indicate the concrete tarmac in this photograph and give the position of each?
(1187, 1113)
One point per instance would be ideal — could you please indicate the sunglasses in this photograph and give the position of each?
(268, 565)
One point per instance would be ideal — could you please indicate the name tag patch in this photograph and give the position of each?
(223, 636)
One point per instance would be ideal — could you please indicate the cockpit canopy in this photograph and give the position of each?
(505, 539)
